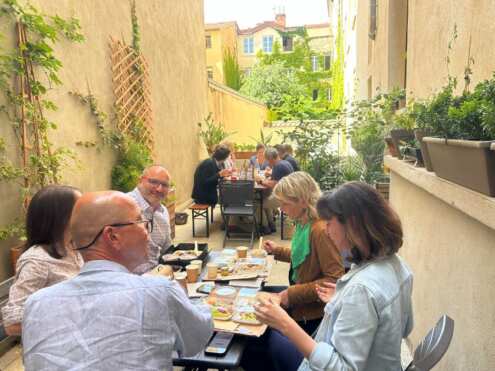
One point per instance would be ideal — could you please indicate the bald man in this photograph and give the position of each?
(107, 318)
(151, 190)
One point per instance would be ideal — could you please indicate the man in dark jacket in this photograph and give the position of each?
(285, 152)
(207, 174)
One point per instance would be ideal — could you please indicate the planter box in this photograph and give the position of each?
(399, 135)
(420, 134)
(470, 164)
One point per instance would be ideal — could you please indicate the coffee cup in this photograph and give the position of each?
(242, 252)
(192, 273)
(212, 269)
(181, 278)
(198, 262)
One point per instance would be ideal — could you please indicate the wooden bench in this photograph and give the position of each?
(201, 211)
(6, 341)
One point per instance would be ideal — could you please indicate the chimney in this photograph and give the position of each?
(280, 19)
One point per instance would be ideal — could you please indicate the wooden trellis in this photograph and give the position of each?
(132, 89)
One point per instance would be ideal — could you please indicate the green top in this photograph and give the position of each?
(300, 247)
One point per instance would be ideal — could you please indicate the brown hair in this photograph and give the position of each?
(367, 218)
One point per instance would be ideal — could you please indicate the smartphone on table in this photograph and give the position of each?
(219, 344)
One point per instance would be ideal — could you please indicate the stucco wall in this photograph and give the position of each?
(178, 79)
(450, 245)
(237, 113)
(431, 26)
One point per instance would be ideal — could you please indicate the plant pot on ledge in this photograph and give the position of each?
(468, 163)
(420, 134)
(244, 155)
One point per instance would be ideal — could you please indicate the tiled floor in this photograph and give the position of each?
(12, 360)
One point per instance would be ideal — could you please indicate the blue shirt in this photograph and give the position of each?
(159, 237)
(106, 318)
(365, 321)
(281, 169)
(254, 162)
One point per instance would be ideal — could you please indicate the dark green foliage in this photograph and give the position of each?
(132, 160)
(231, 70)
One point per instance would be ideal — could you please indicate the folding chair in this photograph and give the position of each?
(434, 346)
(237, 199)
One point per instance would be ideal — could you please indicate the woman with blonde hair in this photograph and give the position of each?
(314, 260)
(312, 256)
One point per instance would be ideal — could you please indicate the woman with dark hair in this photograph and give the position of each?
(47, 258)
(369, 310)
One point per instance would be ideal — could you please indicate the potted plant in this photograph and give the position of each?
(463, 131)
(211, 133)
(244, 151)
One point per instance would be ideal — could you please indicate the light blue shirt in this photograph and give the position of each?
(106, 318)
(159, 237)
(367, 318)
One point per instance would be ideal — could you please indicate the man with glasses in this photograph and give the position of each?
(106, 318)
(151, 190)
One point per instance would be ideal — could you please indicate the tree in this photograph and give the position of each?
(231, 70)
(269, 83)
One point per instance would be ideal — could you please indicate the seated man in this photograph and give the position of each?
(106, 318)
(279, 169)
(285, 153)
(151, 190)
(258, 160)
(207, 174)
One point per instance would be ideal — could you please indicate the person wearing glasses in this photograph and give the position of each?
(47, 257)
(151, 190)
(106, 317)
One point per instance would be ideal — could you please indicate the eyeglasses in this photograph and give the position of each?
(156, 183)
(148, 224)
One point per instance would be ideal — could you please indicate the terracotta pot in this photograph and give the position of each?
(15, 253)
(468, 163)
(392, 149)
(244, 155)
(399, 135)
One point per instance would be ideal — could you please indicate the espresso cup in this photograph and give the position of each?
(192, 273)
(212, 270)
(198, 262)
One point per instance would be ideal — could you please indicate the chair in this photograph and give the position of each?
(201, 211)
(237, 199)
(433, 346)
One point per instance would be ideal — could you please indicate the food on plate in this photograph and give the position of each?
(247, 317)
(250, 265)
(221, 313)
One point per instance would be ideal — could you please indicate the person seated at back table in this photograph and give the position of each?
(229, 162)
(258, 160)
(107, 318)
(207, 175)
(48, 257)
(277, 170)
(285, 152)
(369, 311)
(151, 190)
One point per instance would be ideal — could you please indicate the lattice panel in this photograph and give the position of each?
(132, 89)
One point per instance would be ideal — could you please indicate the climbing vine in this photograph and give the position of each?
(27, 74)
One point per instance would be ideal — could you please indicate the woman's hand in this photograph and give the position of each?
(269, 246)
(284, 298)
(325, 291)
(272, 314)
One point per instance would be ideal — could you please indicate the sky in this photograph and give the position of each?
(248, 13)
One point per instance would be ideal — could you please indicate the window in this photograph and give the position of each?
(287, 42)
(209, 72)
(315, 94)
(314, 63)
(248, 45)
(208, 42)
(373, 15)
(267, 44)
(327, 62)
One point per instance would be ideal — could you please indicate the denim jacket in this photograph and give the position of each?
(365, 321)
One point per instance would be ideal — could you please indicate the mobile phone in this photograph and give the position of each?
(206, 288)
(219, 343)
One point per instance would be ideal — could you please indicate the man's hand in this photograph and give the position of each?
(325, 291)
(225, 172)
(269, 246)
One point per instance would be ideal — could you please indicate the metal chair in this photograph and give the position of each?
(237, 199)
(433, 346)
